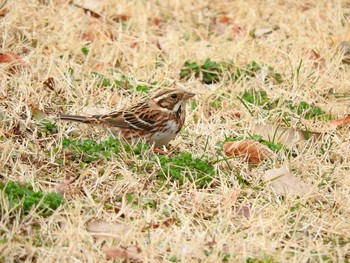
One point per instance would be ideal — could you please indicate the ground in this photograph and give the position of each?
(81, 195)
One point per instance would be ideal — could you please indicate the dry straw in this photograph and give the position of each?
(237, 218)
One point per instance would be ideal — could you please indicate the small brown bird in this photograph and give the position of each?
(155, 120)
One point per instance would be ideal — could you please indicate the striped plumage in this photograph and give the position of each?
(155, 120)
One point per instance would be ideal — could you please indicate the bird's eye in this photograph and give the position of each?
(173, 96)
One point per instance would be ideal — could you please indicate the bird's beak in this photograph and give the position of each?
(188, 95)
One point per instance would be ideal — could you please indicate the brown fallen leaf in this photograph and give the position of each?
(229, 114)
(134, 44)
(38, 114)
(319, 62)
(50, 83)
(341, 122)
(251, 151)
(262, 32)
(65, 188)
(101, 66)
(247, 211)
(3, 12)
(167, 223)
(92, 31)
(285, 135)
(154, 21)
(211, 243)
(235, 30)
(283, 182)
(120, 18)
(91, 13)
(14, 61)
(225, 24)
(90, 7)
(131, 253)
(225, 20)
(96, 30)
(326, 127)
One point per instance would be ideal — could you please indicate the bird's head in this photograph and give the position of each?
(171, 99)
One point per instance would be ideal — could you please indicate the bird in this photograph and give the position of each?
(156, 120)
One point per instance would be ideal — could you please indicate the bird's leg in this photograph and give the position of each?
(162, 152)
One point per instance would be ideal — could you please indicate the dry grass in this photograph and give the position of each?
(172, 222)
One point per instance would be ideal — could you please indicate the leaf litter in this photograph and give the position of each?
(131, 253)
(283, 182)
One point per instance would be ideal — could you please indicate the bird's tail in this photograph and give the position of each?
(76, 118)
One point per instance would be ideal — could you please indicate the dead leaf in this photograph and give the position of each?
(284, 135)
(91, 13)
(93, 30)
(246, 211)
(313, 54)
(319, 62)
(131, 253)
(161, 48)
(262, 32)
(251, 151)
(341, 122)
(211, 243)
(229, 114)
(104, 228)
(50, 83)
(65, 188)
(96, 30)
(326, 127)
(283, 182)
(133, 44)
(155, 21)
(14, 61)
(90, 7)
(3, 12)
(225, 20)
(120, 18)
(167, 223)
(235, 30)
(38, 114)
(223, 25)
(101, 66)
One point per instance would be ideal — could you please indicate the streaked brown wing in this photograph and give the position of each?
(114, 119)
(138, 117)
(137, 121)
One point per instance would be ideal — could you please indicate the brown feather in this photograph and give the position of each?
(156, 120)
(75, 118)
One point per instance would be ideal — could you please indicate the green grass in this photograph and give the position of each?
(184, 167)
(258, 98)
(21, 197)
(212, 72)
(85, 51)
(302, 109)
(272, 145)
(122, 83)
(180, 168)
(209, 72)
(89, 150)
(244, 85)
